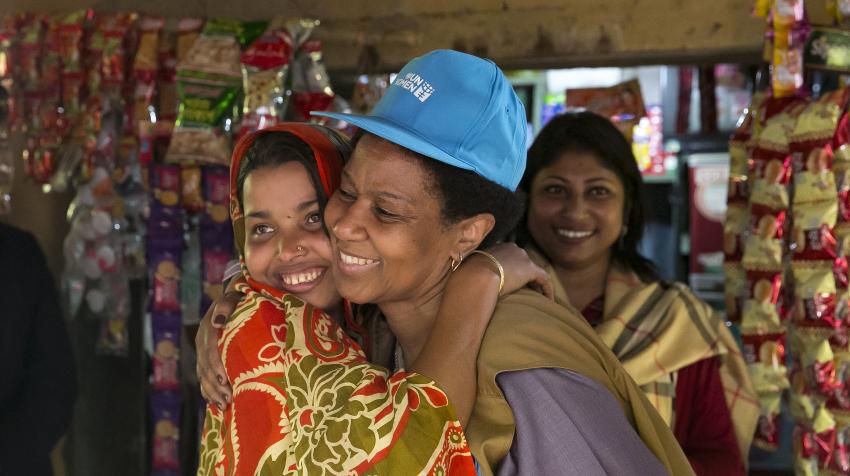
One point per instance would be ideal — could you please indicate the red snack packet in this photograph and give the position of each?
(815, 295)
(812, 238)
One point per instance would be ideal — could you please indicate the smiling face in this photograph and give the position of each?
(576, 210)
(285, 244)
(387, 232)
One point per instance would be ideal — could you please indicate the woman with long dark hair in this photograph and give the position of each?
(584, 222)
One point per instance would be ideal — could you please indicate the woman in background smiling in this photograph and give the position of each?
(584, 222)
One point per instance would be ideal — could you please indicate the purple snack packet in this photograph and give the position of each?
(166, 354)
(165, 418)
(164, 270)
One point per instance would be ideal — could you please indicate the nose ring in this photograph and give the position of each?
(301, 250)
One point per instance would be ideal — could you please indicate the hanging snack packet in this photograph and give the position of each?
(165, 182)
(734, 230)
(311, 86)
(215, 261)
(193, 200)
(217, 196)
(812, 238)
(215, 52)
(815, 295)
(166, 435)
(71, 32)
(763, 248)
(770, 187)
(114, 61)
(166, 353)
(208, 84)
(264, 68)
(188, 31)
(765, 355)
(761, 312)
(735, 289)
(145, 68)
(739, 157)
(165, 277)
(790, 29)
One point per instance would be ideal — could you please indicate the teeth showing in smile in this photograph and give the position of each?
(300, 278)
(574, 234)
(348, 259)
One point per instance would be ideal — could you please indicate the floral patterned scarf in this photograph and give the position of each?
(305, 400)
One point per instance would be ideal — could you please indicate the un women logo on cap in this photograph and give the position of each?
(414, 84)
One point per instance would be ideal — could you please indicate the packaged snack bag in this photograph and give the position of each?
(735, 290)
(165, 415)
(209, 82)
(193, 200)
(735, 229)
(217, 196)
(265, 65)
(146, 67)
(763, 248)
(215, 259)
(761, 313)
(812, 237)
(165, 182)
(790, 28)
(165, 277)
(815, 294)
(765, 355)
(166, 352)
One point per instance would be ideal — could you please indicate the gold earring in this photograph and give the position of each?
(455, 264)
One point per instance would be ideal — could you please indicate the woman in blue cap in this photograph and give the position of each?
(431, 180)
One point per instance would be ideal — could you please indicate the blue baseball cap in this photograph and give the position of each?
(455, 108)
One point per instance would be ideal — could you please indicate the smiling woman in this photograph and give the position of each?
(584, 222)
(429, 183)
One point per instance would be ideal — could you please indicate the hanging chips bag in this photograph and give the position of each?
(763, 248)
(265, 65)
(145, 68)
(790, 29)
(209, 80)
(765, 355)
(812, 237)
(815, 295)
(761, 312)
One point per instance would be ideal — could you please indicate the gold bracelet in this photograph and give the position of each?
(498, 266)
